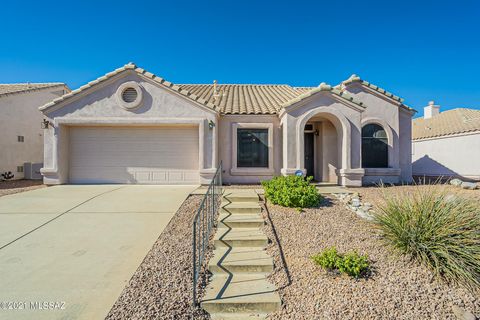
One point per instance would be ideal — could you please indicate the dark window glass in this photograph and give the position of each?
(252, 148)
(374, 147)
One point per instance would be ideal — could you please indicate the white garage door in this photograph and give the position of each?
(155, 155)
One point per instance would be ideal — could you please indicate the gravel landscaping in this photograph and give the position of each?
(397, 288)
(17, 186)
(161, 288)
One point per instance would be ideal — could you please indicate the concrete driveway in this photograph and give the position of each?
(66, 252)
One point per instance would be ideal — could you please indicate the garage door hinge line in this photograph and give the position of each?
(56, 217)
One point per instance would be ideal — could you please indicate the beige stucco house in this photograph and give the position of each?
(447, 144)
(21, 140)
(131, 126)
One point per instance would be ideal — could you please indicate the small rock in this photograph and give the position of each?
(456, 182)
(450, 198)
(356, 202)
(364, 214)
(462, 314)
(367, 206)
(469, 185)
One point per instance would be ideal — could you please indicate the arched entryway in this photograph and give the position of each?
(323, 144)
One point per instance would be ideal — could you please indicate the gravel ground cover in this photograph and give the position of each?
(397, 289)
(17, 186)
(161, 288)
(373, 194)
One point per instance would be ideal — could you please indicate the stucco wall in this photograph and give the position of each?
(321, 106)
(448, 156)
(226, 142)
(397, 122)
(405, 146)
(345, 118)
(99, 106)
(19, 116)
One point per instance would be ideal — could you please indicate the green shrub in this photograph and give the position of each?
(352, 263)
(291, 191)
(440, 231)
(327, 259)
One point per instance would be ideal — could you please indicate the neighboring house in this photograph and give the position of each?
(131, 126)
(447, 144)
(21, 140)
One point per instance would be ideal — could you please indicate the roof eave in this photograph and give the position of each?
(105, 79)
(35, 89)
(354, 79)
(322, 89)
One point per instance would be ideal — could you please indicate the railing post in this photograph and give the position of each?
(203, 223)
(194, 264)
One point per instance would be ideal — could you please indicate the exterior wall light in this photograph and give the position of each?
(211, 124)
(45, 123)
(316, 132)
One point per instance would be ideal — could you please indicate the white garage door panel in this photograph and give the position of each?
(163, 155)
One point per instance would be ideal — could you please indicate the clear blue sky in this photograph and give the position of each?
(420, 50)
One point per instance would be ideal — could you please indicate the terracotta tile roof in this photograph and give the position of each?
(449, 122)
(356, 79)
(129, 67)
(229, 98)
(13, 88)
(324, 87)
(247, 98)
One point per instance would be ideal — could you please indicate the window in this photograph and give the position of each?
(252, 148)
(20, 138)
(19, 168)
(374, 147)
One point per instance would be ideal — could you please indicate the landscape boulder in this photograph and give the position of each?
(469, 185)
(456, 182)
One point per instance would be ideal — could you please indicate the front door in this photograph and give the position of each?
(309, 153)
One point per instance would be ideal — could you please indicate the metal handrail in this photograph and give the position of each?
(203, 224)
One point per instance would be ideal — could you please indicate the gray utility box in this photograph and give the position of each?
(31, 171)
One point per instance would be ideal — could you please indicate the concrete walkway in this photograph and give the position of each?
(76, 246)
(239, 288)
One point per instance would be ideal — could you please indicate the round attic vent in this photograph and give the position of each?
(129, 95)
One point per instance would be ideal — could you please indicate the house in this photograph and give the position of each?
(131, 126)
(447, 144)
(21, 140)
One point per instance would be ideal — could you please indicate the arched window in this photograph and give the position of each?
(374, 147)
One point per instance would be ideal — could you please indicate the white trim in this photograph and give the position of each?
(252, 171)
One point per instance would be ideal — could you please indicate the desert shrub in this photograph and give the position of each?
(291, 191)
(352, 263)
(328, 259)
(439, 230)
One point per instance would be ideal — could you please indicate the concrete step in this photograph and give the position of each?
(240, 237)
(240, 260)
(240, 293)
(241, 196)
(240, 207)
(245, 220)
